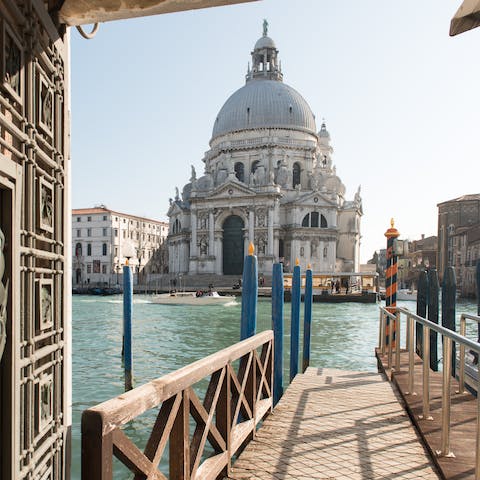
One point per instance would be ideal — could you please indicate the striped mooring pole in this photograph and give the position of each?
(391, 286)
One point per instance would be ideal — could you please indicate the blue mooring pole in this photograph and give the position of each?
(307, 320)
(277, 325)
(295, 322)
(248, 324)
(127, 325)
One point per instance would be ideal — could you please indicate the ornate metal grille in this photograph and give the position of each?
(33, 171)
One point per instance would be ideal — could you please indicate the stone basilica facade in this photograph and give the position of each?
(269, 179)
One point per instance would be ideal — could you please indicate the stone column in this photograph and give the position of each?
(211, 234)
(193, 246)
(270, 248)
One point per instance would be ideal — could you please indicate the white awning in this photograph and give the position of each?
(82, 12)
(466, 18)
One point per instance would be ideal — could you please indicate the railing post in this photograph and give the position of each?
(397, 343)
(381, 343)
(461, 373)
(477, 446)
(179, 442)
(295, 322)
(278, 330)
(307, 320)
(447, 364)
(223, 416)
(389, 338)
(97, 449)
(426, 375)
(411, 355)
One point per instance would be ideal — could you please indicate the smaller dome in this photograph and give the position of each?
(323, 133)
(264, 42)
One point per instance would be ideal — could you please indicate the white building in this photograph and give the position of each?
(103, 239)
(269, 179)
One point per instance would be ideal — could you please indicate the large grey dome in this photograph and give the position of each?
(264, 42)
(264, 104)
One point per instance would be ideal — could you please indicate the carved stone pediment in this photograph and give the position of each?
(232, 189)
(314, 199)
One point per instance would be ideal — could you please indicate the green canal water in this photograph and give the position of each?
(166, 338)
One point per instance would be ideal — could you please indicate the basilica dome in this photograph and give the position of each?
(265, 101)
(264, 104)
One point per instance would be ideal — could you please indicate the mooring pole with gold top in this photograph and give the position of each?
(391, 285)
(307, 317)
(248, 324)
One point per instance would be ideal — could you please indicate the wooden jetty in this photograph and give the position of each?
(333, 424)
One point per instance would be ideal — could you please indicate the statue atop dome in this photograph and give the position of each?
(265, 27)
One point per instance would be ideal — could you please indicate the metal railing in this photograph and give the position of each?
(449, 336)
(234, 404)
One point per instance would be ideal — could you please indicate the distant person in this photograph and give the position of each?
(346, 286)
(337, 286)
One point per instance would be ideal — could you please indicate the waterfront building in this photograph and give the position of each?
(103, 239)
(459, 240)
(269, 179)
(422, 254)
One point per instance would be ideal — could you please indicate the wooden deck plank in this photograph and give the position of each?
(463, 419)
(333, 424)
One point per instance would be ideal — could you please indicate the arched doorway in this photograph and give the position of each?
(233, 245)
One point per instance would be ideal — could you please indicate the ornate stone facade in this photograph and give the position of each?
(269, 179)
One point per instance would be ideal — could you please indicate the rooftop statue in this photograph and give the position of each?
(265, 27)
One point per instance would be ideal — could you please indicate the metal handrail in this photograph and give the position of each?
(449, 336)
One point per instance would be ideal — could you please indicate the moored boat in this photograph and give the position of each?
(405, 294)
(193, 298)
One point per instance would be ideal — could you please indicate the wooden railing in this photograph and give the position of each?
(233, 405)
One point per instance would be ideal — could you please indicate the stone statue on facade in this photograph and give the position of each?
(203, 246)
(282, 174)
(265, 27)
(177, 194)
(194, 174)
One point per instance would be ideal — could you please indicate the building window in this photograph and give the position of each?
(306, 220)
(89, 249)
(78, 250)
(79, 233)
(296, 174)
(104, 268)
(104, 232)
(89, 219)
(124, 234)
(325, 252)
(311, 220)
(177, 226)
(89, 268)
(104, 218)
(104, 249)
(314, 219)
(240, 171)
(116, 232)
(116, 252)
(323, 222)
(79, 219)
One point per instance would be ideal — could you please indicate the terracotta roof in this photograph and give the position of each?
(87, 211)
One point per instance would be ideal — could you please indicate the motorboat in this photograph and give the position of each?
(193, 298)
(406, 294)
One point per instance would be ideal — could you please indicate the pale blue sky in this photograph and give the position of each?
(400, 98)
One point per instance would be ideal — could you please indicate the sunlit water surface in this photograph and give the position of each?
(166, 338)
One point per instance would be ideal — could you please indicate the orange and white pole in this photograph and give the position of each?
(391, 284)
